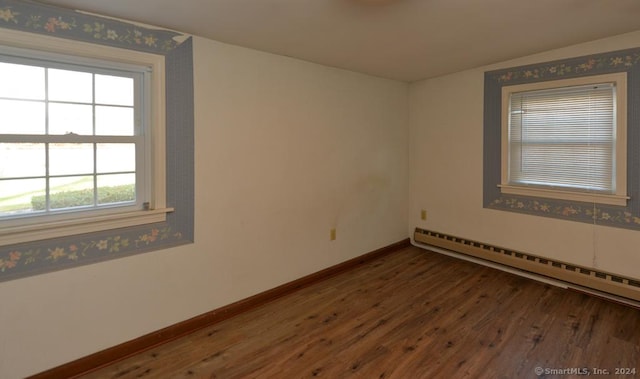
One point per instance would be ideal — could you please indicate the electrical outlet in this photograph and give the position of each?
(332, 234)
(423, 214)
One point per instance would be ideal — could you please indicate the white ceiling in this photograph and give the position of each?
(400, 39)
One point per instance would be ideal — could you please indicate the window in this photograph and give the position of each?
(566, 139)
(621, 207)
(81, 141)
(167, 58)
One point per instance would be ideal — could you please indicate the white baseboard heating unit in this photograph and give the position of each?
(600, 281)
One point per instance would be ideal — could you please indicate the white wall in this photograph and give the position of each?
(446, 153)
(285, 151)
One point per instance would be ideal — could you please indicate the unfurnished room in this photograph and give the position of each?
(330, 188)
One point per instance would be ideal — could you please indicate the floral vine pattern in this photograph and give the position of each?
(572, 211)
(615, 61)
(76, 251)
(578, 67)
(20, 15)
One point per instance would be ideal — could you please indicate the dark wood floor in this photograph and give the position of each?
(412, 314)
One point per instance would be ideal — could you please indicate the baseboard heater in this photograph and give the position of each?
(582, 276)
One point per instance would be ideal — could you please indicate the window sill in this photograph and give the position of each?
(35, 232)
(619, 200)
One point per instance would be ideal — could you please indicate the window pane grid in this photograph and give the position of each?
(90, 150)
(74, 190)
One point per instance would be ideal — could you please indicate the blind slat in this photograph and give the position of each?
(563, 137)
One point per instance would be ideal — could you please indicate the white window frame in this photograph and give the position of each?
(620, 197)
(155, 100)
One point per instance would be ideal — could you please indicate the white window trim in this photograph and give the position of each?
(157, 206)
(620, 197)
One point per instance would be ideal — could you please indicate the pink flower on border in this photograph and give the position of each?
(51, 24)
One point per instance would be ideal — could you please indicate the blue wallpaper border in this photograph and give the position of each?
(33, 258)
(45, 19)
(627, 217)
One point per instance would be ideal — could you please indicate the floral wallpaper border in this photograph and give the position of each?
(37, 257)
(573, 211)
(64, 253)
(65, 23)
(615, 216)
(615, 61)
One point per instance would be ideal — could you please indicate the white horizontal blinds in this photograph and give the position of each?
(563, 138)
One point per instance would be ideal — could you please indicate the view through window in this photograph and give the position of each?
(71, 138)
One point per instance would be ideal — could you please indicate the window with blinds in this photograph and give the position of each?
(566, 139)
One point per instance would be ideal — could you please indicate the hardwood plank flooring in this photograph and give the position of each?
(411, 314)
